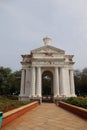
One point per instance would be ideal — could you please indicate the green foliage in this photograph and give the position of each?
(9, 81)
(6, 103)
(47, 86)
(81, 82)
(77, 101)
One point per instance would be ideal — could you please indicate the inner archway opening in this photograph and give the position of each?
(47, 86)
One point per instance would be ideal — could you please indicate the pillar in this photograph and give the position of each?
(72, 87)
(27, 83)
(67, 82)
(38, 87)
(33, 82)
(56, 82)
(62, 81)
(22, 90)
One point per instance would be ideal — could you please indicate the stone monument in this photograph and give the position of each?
(42, 62)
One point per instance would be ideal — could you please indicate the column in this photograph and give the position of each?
(27, 83)
(33, 82)
(22, 89)
(56, 82)
(38, 88)
(62, 81)
(67, 82)
(72, 87)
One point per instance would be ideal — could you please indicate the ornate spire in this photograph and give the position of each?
(47, 41)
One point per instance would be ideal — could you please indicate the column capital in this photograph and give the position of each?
(22, 69)
(71, 69)
(55, 67)
(32, 66)
(38, 66)
(27, 68)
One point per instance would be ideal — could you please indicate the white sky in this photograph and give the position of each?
(24, 23)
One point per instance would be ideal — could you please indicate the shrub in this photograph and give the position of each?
(78, 101)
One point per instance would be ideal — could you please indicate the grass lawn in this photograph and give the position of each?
(8, 104)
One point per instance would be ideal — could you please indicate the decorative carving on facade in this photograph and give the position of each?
(47, 58)
(47, 63)
(49, 49)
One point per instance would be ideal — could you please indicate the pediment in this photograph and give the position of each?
(48, 49)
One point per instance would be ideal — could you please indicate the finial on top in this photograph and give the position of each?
(47, 41)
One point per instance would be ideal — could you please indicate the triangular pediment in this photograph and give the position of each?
(49, 49)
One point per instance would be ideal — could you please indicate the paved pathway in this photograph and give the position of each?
(47, 117)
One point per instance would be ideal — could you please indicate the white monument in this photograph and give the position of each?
(47, 61)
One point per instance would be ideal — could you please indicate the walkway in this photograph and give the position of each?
(47, 117)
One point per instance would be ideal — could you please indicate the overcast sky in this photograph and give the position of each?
(24, 23)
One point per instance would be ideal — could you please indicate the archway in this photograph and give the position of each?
(47, 86)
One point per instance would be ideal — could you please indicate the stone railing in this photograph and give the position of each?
(74, 109)
(13, 114)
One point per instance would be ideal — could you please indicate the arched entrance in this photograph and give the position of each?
(47, 86)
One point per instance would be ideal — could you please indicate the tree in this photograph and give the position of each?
(4, 77)
(15, 83)
(84, 82)
(9, 81)
(47, 85)
(77, 77)
(81, 82)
